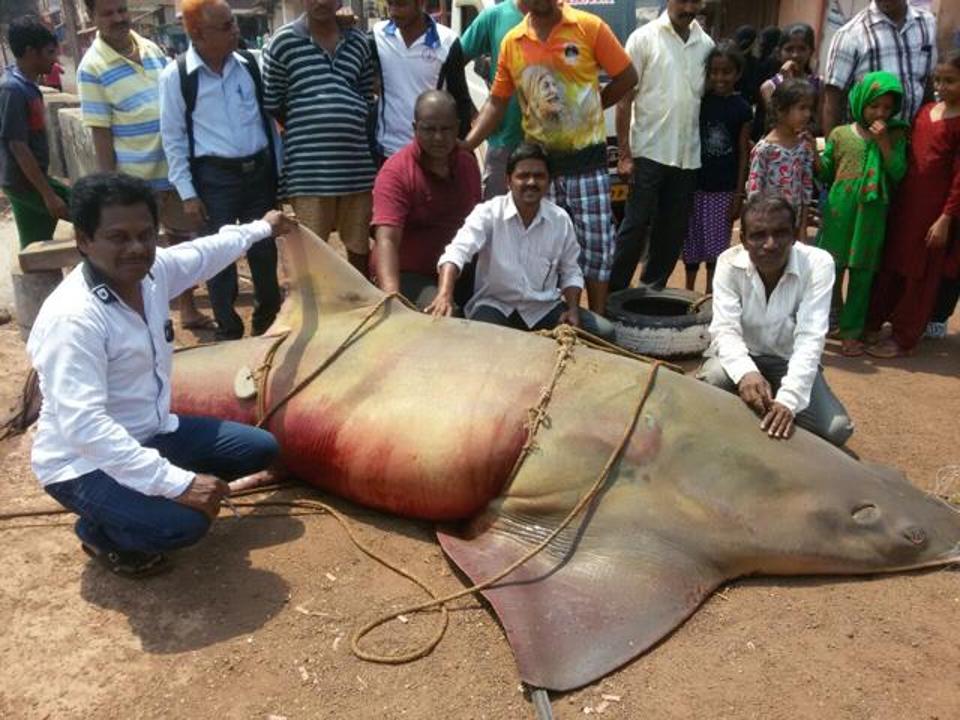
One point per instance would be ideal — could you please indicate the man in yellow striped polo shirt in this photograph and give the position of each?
(119, 98)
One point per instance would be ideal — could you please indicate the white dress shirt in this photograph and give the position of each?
(665, 126)
(791, 324)
(226, 120)
(518, 268)
(105, 373)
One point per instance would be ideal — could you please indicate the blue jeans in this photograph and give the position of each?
(114, 517)
(591, 322)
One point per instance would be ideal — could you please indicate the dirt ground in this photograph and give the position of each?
(255, 622)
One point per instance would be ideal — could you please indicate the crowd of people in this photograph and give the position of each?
(373, 135)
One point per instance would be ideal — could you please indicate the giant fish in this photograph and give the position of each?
(426, 418)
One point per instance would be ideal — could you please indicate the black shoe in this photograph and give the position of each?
(129, 563)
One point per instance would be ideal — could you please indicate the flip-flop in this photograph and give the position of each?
(852, 348)
(887, 350)
(202, 323)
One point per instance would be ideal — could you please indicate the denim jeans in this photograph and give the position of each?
(233, 195)
(114, 517)
(591, 322)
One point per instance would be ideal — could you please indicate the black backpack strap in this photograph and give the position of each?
(188, 88)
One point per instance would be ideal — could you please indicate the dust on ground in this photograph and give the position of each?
(255, 621)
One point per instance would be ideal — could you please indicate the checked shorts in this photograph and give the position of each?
(586, 198)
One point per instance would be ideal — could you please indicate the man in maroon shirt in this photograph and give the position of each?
(421, 197)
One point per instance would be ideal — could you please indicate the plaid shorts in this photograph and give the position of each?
(586, 198)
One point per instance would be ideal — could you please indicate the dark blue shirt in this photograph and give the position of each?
(721, 120)
(22, 118)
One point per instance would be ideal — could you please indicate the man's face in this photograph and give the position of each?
(124, 246)
(41, 60)
(218, 33)
(436, 130)
(683, 12)
(541, 7)
(321, 10)
(112, 20)
(768, 237)
(528, 181)
(404, 13)
(892, 8)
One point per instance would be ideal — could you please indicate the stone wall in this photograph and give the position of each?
(78, 154)
(54, 103)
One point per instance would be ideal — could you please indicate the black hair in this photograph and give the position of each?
(952, 58)
(28, 32)
(527, 151)
(769, 41)
(764, 204)
(809, 39)
(745, 36)
(92, 193)
(729, 50)
(788, 94)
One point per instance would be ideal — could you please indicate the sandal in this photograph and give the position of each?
(129, 563)
(201, 323)
(887, 350)
(851, 348)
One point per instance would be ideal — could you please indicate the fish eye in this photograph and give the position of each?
(866, 514)
(916, 535)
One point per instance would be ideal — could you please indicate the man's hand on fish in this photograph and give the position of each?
(756, 392)
(280, 222)
(778, 422)
(205, 494)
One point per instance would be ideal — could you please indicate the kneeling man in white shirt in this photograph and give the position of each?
(528, 271)
(142, 480)
(771, 310)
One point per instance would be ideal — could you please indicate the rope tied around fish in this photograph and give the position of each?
(568, 338)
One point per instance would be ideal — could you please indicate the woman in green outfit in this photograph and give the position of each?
(862, 163)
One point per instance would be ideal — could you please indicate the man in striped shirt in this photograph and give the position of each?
(318, 82)
(118, 81)
(889, 35)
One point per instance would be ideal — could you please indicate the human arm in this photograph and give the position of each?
(571, 316)
(939, 233)
(442, 305)
(726, 328)
(387, 239)
(31, 171)
(758, 171)
(624, 114)
(187, 264)
(104, 154)
(812, 324)
(173, 134)
(204, 493)
(617, 63)
(469, 240)
(743, 166)
(456, 85)
(570, 275)
(832, 112)
(275, 82)
(842, 61)
(487, 121)
(828, 161)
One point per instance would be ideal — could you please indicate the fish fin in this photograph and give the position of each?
(572, 617)
(319, 278)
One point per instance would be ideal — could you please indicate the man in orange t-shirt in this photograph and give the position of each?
(552, 61)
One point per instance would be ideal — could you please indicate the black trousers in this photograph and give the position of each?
(947, 298)
(240, 192)
(655, 222)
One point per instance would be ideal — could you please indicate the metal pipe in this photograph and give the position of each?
(541, 703)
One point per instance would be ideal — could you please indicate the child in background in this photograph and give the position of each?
(862, 162)
(922, 247)
(798, 45)
(782, 163)
(724, 151)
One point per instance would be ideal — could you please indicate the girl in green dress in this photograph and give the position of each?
(862, 163)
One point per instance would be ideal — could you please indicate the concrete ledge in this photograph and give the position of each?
(78, 152)
(54, 102)
(49, 255)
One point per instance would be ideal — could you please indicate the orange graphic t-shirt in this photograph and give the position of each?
(558, 81)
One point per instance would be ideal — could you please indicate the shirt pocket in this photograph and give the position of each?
(542, 275)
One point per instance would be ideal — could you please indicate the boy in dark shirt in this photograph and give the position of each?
(37, 200)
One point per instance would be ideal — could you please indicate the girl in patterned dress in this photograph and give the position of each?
(724, 150)
(862, 164)
(782, 163)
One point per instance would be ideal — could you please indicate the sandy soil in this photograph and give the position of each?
(255, 621)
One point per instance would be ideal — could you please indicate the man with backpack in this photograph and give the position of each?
(221, 149)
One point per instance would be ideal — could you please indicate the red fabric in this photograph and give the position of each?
(908, 304)
(931, 188)
(428, 208)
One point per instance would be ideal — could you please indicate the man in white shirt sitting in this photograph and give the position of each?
(771, 308)
(528, 272)
(142, 480)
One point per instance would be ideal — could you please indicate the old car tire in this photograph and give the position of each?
(664, 323)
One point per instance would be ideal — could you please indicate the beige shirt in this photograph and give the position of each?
(665, 126)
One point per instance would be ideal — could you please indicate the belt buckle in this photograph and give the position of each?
(248, 166)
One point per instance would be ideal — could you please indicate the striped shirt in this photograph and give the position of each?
(119, 94)
(324, 103)
(871, 41)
